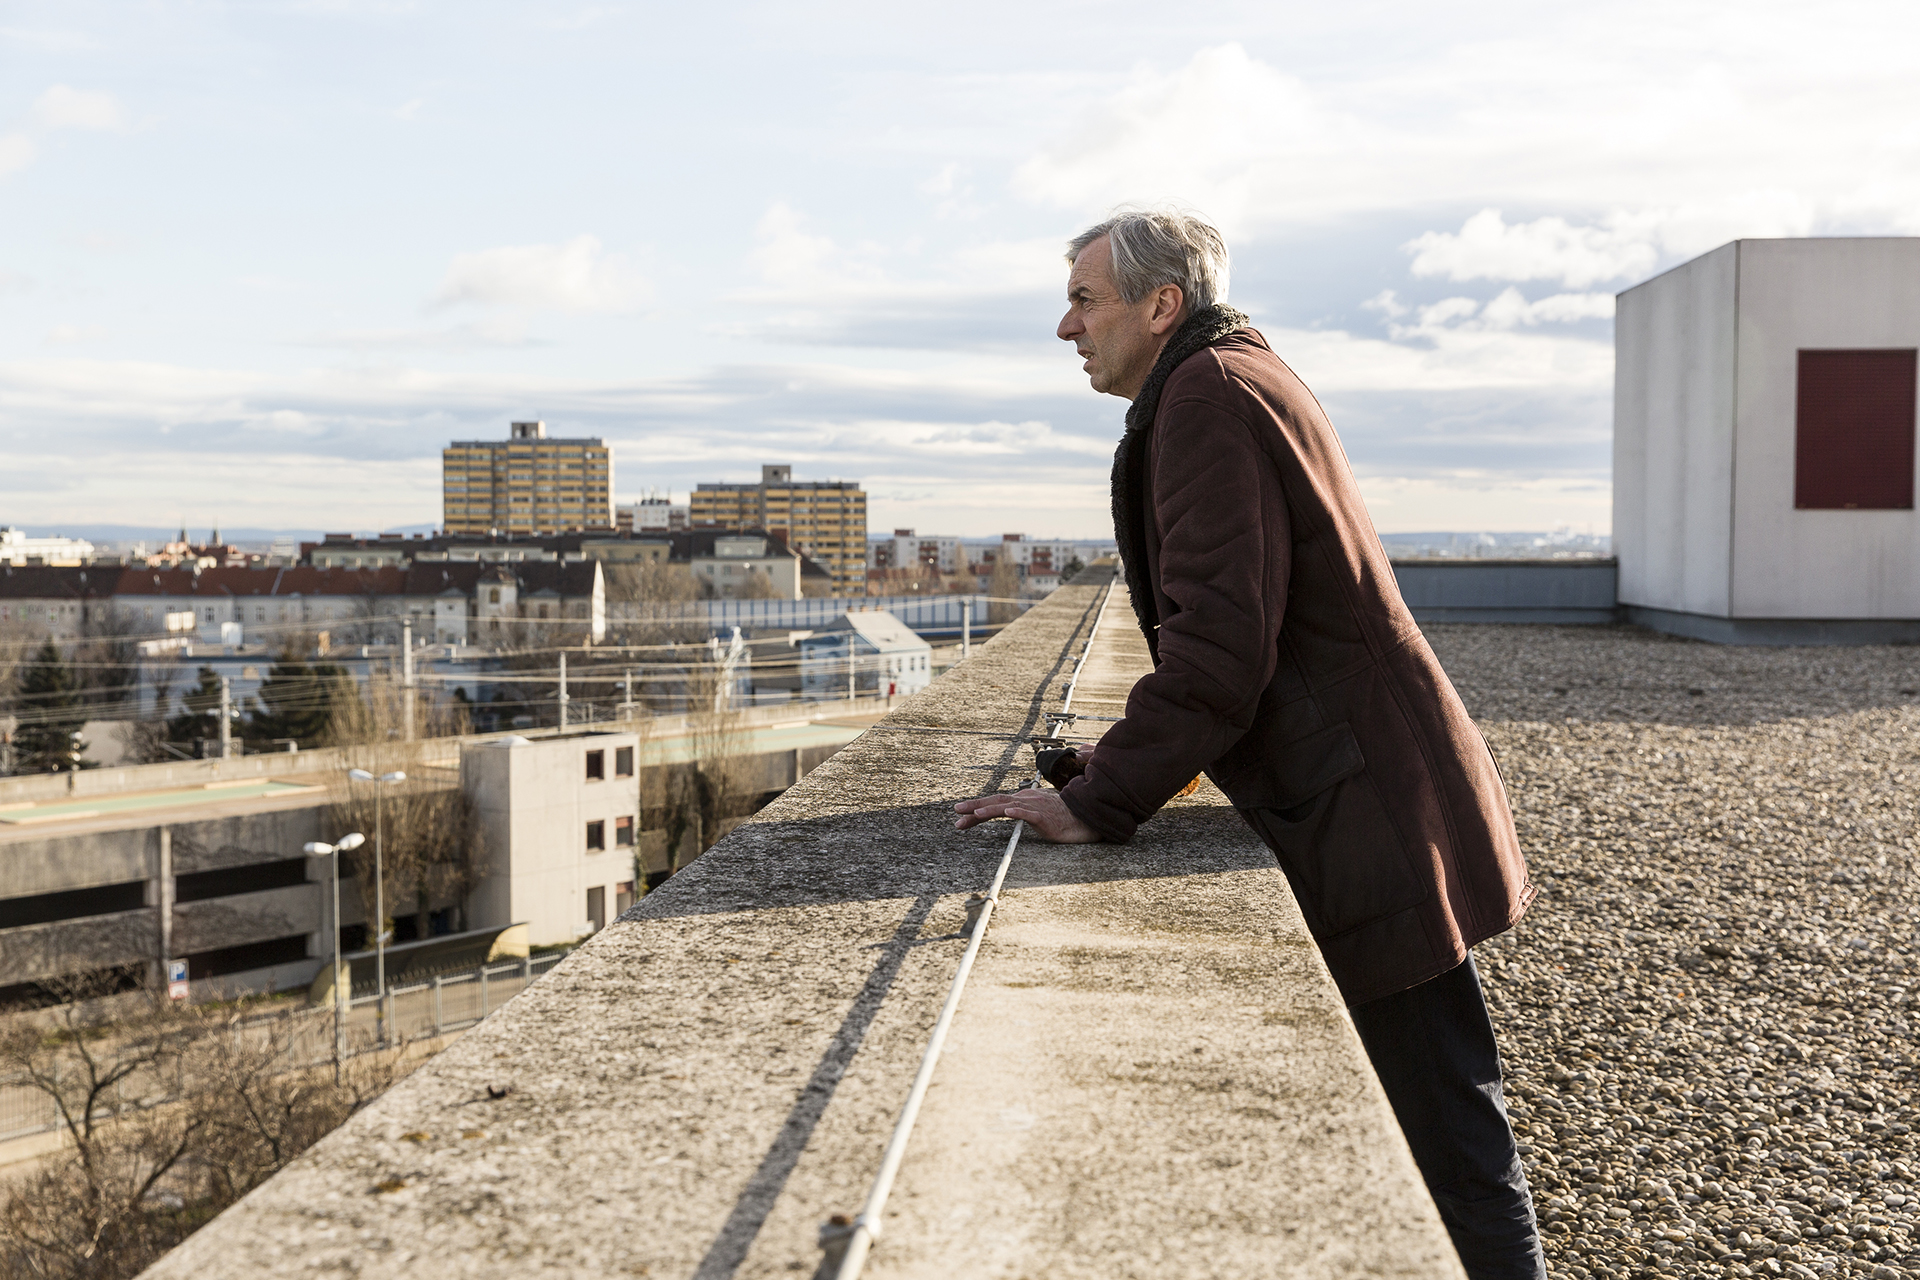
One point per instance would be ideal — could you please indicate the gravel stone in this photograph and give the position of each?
(1707, 1016)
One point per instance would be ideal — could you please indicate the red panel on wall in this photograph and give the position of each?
(1853, 432)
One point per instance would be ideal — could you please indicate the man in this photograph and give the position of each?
(1287, 668)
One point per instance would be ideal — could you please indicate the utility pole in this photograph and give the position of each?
(226, 717)
(406, 674)
(627, 706)
(966, 629)
(563, 689)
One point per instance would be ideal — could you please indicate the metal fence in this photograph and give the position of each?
(306, 1037)
(446, 1002)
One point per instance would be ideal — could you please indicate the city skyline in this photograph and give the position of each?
(266, 263)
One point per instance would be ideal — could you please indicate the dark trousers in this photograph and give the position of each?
(1432, 1047)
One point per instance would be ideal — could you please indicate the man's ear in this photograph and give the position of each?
(1169, 309)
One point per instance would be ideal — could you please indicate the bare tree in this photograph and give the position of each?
(717, 741)
(171, 1113)
(143, 739)
(757, 585)
(377, 714)
(1003, 587)
(648, 603)
(431, 844)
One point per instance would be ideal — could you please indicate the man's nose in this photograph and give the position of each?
(1070, 327)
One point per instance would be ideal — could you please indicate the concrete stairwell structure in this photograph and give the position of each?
(1150, 1075)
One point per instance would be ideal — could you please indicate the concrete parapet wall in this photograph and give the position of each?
(1150, 1075)
(1554, 591)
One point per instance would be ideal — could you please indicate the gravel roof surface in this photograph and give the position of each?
(1707, 1015)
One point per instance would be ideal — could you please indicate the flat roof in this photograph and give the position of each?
(211, 799)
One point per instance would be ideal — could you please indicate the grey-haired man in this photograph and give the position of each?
(1288, 669)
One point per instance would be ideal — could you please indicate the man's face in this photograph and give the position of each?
(1117, 339)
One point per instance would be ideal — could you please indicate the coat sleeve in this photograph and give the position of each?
(1220, 518)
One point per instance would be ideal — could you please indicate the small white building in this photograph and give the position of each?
(17, 548)
(653, 515)
(1764, 443)
(736, 557)
(558, 819)
(864, 652)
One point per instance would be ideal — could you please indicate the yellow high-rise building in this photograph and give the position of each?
(825, 519)
(527, 484)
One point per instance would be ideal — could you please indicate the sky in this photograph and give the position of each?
(260, 262)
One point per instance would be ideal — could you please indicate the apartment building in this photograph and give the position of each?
(527, 483)
(826, 520)
(1040, 564)
(906, 550)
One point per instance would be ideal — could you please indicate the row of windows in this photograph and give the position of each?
(520, 479)
(109, 899)
(597, 763)
(622, 834)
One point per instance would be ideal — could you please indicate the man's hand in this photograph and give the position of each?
(1044, 811)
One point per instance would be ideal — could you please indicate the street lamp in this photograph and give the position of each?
(379, 892)
(345, 844)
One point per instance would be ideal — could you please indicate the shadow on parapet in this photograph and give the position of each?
(911, 851)
(756, 1201)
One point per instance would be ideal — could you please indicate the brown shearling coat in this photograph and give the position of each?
(1288, 668)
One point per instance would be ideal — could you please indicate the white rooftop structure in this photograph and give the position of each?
(1764, 447)
(18, 548)
(557, 819)
(865, 649)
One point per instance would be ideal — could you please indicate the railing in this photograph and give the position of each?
(305, 1037)
(450, 1001)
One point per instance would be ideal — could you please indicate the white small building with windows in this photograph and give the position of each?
(1764, 452)
(557, 818)
(866, 653)
(735, 559)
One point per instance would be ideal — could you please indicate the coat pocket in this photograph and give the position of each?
(1326, 822)
(1290, 776)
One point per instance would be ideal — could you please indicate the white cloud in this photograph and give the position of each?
(1636, 154)
(788, 256)
(62, 335)
(1446, 356)
(1626, 244)
(1487, 248)
(1449, 317)
(1214, 133)
(1511, 308)
(62, 107)
(508, 330)
(16, 152)
(575, 276)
